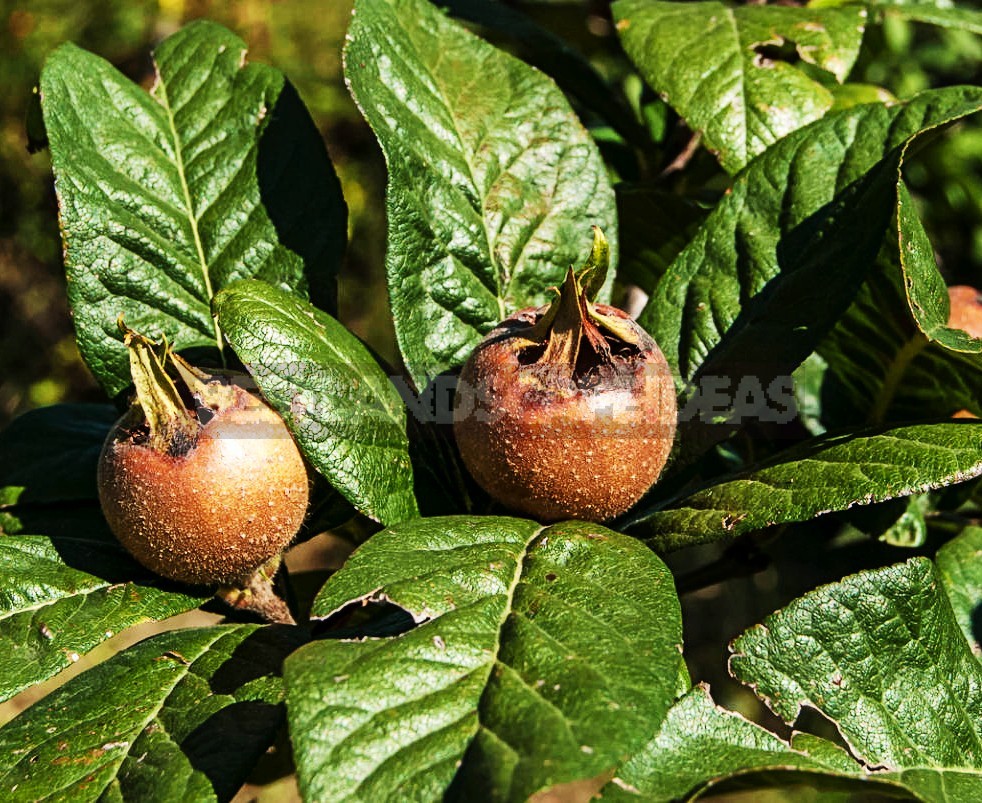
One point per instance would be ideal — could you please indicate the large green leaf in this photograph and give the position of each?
(181, 716)
(164, 198)
(961, 577)
(713, 63)
(826, 475)
(701, 745)
(50, 454)
(881, 655)
(544, 656)
(346, 415)
(493, 182)
(60, 597)
(783, 254)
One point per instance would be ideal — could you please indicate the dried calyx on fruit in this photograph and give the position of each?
(568, 410)
(202, 484)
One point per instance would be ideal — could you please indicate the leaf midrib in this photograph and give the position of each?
(189, 205)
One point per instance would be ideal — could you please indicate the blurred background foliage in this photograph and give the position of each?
(39, 363)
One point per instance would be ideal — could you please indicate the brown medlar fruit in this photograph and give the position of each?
(567, 410)
(203, 488)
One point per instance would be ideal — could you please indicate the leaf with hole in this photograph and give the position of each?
(542, 655)
(721, 67)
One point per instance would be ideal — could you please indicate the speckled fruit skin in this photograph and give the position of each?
(560, 452)
(966, 309)
(216, 514)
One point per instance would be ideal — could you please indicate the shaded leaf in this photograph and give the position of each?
(826, 475)
(50, 454)
(543, 656)
(782, 255)
(346, 415)
(716, 65)
(183, 715)
(655, 226)
(493, 183)
(960, 566)
(166, 197)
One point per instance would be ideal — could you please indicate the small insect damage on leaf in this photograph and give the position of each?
(378, 596)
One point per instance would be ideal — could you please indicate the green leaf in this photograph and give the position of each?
(927, 293)
(181, 716)
(60, 597)
(881, 655)
(50, 454)
(348, 419)
(826, 475)
(493, 182)
(164, 198)
(701, 745)
(544, 655)
(961, 578)
(718, 67)
(881, 366)
(783, 254)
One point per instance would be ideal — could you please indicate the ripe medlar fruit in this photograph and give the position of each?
(568, 410)
(203, 493)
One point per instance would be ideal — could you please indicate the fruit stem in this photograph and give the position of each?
(173, 428)
(257, 596)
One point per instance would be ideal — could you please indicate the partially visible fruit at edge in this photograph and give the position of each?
(966, 309)
(966, 314)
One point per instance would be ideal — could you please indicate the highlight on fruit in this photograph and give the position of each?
(567, 410)
(200, 480)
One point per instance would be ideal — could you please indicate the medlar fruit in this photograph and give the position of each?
(567, 410)
(203, 493)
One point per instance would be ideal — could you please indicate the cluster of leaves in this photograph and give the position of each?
(459, 649)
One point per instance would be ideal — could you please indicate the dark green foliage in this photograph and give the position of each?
(770, 208)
